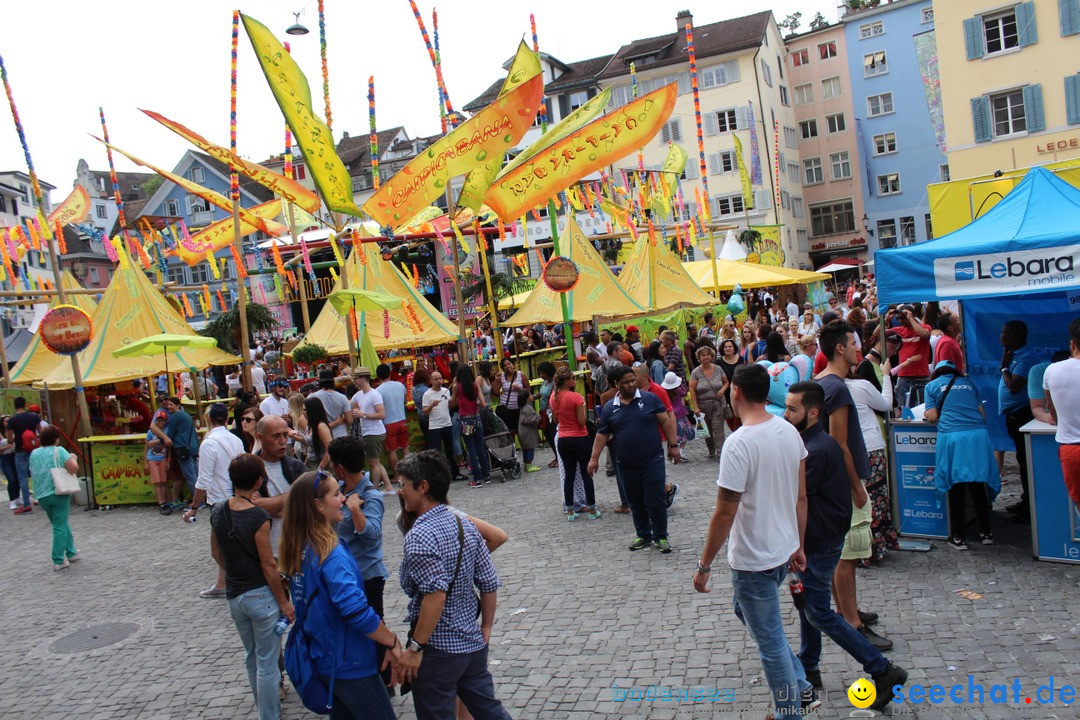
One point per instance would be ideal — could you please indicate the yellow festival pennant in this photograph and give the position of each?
(214, 198)
(287, 188)
(744, 176)
(293, 96)
(74, 209)
(526, 65)
(222, 233)
(489, 133)
(588, 149)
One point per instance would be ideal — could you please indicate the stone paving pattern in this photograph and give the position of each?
(578, 614)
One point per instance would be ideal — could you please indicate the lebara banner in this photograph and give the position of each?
(293, 96)
(1007, 273)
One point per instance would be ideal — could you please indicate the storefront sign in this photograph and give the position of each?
(838, 245)
(66, 329)
(1008, 273)
(1072, 143)
(561, 274)
(921, 511)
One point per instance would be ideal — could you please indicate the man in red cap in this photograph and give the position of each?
(633, 339)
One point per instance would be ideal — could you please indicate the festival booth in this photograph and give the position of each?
(1017, 261)
(130, 309)
(415, 324)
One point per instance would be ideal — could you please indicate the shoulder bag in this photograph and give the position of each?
(64, 482)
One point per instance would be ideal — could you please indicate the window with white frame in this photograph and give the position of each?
(871, 29)
(95, 278)
(830, 87)
(1008, 113)
(835, 123)
(172, 208)
(812, 171)
(196, 174)
(578, 99)
(943, 173)
(101, 211)
(874, 64)
(671, 131)
(718, 75)
(196, 204)
(827, 50)
(804, 94)
(928, 15)
(200, 273)
(808, 129)
(884, 143)
(797, 207)
(1000, 32)
(728, 205)
(620, 95)
(785, 199)
(801, 237)
(879, 104)
(176, 274)
(907, 231)
(841, 165)
(800, 57)
(832, 218)
(888, 184)
(793, 173)
(886, 231)
(785, 99)
(929, 228)
(726, 120)
(766, 72)
(791, 137)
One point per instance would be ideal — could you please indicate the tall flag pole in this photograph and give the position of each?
(704, 210)
(238, 242)
(374, 150)
(325, 69)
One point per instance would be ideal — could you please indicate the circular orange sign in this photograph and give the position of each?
(561, 274)
(66, 329)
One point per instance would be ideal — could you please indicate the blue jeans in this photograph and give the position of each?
(474, 447)
(11, 474)
(455, 426)
(905, 385)
(56, 508)
(619, 481)
(819, 617)
(443, 677)
(644, 487)
(757, 605)
(255, 613)
(361, 699)
(443, 437)
(22, 469)
(190, 470)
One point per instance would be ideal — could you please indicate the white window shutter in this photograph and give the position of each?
(676, 130)
(711, 126)
(742, 118)
(714, 163)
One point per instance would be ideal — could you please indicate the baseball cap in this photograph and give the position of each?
(945, 363)
(632, 328)
(829, 317)
(161, 415)
(34, 408)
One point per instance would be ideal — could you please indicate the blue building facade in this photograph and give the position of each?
(892, 61)
(171, 202)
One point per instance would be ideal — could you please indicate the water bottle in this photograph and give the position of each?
(281, 626)
(798, 597)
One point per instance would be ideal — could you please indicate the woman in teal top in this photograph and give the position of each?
(56, 507)
(964, 458)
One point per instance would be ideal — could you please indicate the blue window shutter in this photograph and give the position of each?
(973, 37)
(1025, 24)
(980, 118)
(1072, 99)
(1069, 14)
(1033, 108)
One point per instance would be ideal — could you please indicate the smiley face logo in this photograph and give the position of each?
(862, 693)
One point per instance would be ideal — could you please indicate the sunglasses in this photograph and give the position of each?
(247, 419)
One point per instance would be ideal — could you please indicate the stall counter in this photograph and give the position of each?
(1055, 521)
(118, 469)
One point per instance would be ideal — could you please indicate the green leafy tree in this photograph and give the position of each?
(818, 22)
(225, 328)
(502, 285)
(792, 22)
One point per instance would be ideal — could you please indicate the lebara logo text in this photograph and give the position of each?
(1052, 270)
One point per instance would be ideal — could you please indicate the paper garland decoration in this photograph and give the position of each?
(234, 178)
(325, 69)
(697, 111)
(536, 49)
(435, 64)
(374, 148)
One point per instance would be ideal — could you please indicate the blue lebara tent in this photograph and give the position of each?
(1028, 242)
(1019, 261)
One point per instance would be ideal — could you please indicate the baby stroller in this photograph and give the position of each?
(502, 453)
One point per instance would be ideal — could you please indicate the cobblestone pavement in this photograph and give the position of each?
(578, 615)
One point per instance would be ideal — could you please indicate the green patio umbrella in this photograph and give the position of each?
(363, 301)
(163, 344)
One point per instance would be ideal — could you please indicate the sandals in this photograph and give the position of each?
(554, 463)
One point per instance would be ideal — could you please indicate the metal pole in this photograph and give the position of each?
(568, 330)
(245, 351)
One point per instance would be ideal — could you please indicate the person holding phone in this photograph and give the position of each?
(915, 353)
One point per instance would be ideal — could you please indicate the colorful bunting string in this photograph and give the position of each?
(325, 70)
(438, 68)
(374, 149)
(435, 64)
(35, 185)
(241, 271)
(536, 49)
(234, 178)
(697, 110)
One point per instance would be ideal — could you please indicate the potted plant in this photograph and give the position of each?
(308, 354)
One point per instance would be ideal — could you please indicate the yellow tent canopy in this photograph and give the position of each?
(374, 273)
(514, 301)
(132, 309)
(38, 360)
(749, 275)
(596, 293)
(655, 278)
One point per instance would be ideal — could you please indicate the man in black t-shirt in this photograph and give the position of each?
(19, 423)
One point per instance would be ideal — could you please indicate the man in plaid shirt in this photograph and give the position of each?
(446, 656)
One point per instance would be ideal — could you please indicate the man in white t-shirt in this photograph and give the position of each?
(436, 405)
(1062, 385)
(258, 376)
(792, 309)
(368, 405)
(276, 403)
(337, 406)
(282, 469)
(761, 514)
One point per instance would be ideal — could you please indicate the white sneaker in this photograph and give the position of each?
(62, 566)
(14, 504)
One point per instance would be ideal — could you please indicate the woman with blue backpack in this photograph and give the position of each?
(330, 654)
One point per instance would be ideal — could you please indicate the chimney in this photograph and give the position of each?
(345, 135)
(683, 19)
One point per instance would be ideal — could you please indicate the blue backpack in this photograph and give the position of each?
(302, 671)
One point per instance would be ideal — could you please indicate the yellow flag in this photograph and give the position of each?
(221, 233)
(287, 188)
(214, 198)
(74, 209)
(526, 65)
(586, 150)
(293, 96)
(488, 134)
(744, 176)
